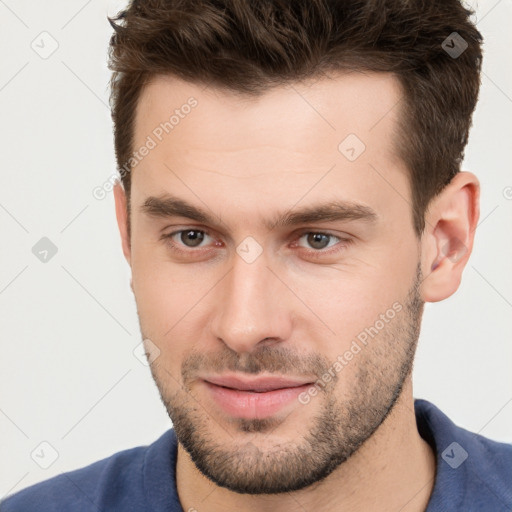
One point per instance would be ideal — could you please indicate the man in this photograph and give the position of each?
(291, 197)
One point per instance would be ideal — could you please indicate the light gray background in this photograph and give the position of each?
(68, 375)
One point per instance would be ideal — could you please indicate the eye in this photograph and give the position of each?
(319, 241)
(188, 237)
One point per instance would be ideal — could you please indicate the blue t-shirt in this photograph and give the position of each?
(473, 474)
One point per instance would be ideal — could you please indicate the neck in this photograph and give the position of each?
(393, 470)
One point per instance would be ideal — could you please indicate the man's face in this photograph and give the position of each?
(260, 293)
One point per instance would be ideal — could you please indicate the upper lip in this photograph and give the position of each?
(259, 384)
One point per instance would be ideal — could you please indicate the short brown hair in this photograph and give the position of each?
(249, 46)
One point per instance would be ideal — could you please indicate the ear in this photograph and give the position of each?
(122, 219)
(447, 242)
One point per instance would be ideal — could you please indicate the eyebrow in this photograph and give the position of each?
(170, 206)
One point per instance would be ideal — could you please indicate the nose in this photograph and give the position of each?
(252, 307)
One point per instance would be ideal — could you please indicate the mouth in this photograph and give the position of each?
(254, 398)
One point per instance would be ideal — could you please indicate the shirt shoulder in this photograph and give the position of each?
(115, 483)
(473, 472)
(489, 473)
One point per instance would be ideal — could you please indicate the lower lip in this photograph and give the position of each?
(252, 405)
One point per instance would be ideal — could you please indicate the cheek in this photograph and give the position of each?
(342, 304)
(169, 297)
(156, 292)
(163, 307)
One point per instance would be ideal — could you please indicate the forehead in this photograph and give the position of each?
(330, 137)
(354, 102)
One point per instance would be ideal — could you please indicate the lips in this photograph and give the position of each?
(256, 397)
(257, 385)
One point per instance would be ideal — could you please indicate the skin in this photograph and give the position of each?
(294, 309)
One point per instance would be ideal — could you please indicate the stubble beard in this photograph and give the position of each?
(336, 432)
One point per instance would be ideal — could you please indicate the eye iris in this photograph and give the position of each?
(318, 240)
(192, 238)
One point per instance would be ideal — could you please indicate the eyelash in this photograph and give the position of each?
(314, 253)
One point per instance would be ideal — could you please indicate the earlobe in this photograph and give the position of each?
(122, 219)
(448, 238)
